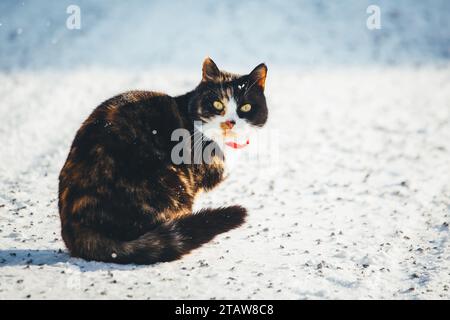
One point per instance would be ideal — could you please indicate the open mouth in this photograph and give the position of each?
(236, 145)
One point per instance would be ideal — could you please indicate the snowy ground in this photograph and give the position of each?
(357, 205)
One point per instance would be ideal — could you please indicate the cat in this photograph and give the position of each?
(121, 197)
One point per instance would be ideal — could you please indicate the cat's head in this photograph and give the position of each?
(229, 106)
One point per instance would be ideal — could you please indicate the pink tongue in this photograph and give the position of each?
(235, 145)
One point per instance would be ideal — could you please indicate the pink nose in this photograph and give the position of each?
(230, 123)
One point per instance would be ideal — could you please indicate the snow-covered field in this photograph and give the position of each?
(357, 204)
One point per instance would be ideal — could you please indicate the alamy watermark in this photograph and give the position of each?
(73, 21)
(201, 147)
(373, 22)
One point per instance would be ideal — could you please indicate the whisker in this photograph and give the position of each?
(250, 86)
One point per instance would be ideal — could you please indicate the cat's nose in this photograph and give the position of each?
(230, 123)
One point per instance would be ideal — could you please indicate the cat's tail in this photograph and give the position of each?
(168, 241)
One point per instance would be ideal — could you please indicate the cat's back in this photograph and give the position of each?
(137, 102)
(131, 116)
(134, 126)
(132, 97)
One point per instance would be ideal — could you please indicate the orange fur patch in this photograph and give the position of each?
(83, 202)
(262, 79)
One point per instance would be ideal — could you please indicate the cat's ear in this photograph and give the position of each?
(210, 72)
(258, 76)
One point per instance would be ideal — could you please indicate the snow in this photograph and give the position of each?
(354, 200)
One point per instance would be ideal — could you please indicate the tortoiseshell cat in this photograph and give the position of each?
(121, 197)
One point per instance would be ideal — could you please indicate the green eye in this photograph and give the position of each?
(218, 105)
(246, 107)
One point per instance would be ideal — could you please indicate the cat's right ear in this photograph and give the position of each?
(258, 76)
(210, 72)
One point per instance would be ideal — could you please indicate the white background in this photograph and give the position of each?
(357, 205)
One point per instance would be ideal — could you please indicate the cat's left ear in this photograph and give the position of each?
(258, 76)
(210, 71)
